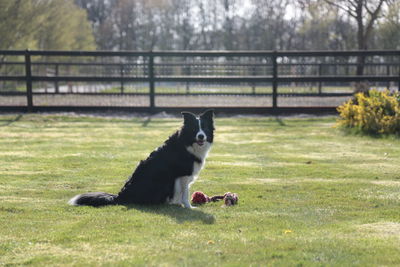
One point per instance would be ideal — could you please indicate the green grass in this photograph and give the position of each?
(309, 195)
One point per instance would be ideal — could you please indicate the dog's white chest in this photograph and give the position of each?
(201, 153)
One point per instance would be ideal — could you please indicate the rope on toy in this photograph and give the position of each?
(229, 198)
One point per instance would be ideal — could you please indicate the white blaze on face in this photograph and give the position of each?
(200, 149)
(201, 135)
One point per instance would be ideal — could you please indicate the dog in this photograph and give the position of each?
(166, 175)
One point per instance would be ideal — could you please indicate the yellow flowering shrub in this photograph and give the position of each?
(374, 112)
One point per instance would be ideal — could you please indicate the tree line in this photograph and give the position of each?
(200, 24)
(44, 24)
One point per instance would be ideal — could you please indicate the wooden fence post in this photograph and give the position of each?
(319, 75)
(253, 85)
(188, 73)
(28, 79)
(56, 87)
(398, 86)
(398, 63)
(121, 72)
(274, 81)
(151, 80)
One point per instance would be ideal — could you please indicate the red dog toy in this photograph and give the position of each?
(229, 198)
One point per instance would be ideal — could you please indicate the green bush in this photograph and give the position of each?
(373, 112)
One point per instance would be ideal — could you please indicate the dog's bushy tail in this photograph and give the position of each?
(93, 199)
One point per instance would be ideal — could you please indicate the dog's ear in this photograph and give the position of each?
(208, 115)
(188, 117)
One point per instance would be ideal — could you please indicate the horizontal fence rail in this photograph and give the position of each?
(268, 68)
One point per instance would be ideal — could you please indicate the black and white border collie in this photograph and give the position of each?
(166, 175)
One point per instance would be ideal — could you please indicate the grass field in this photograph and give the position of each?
(310, 195)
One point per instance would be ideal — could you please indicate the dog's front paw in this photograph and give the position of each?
(175, 201)
(188, 206)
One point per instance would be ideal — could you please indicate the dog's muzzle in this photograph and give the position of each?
(200, 139)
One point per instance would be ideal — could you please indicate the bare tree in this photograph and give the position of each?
(388, 29)
(366, 14)
(268, 24)
(228, 26)
(238, 24)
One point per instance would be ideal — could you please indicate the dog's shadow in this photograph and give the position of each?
(180, 214)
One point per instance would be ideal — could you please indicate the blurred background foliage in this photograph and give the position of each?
(199, 24)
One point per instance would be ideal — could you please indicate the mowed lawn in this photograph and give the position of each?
(308, 195)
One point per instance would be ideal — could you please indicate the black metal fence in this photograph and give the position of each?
(254, 81)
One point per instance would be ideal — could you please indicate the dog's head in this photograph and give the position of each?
(198, 131)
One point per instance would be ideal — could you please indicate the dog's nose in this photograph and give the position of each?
(200, 136)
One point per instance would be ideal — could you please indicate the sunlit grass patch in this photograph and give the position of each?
(381, 229)
(308, 195)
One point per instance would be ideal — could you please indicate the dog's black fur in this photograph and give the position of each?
(153, 180)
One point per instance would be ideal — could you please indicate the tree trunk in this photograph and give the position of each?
(360, 38)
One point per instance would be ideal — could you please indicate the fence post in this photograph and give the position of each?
(28, 79)
(274, 81)
(398, 86)
(188, 73)
(121, 72)
(398, 63)
(151, 80)
(56, 88)
(253, 85)
(319, 75)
